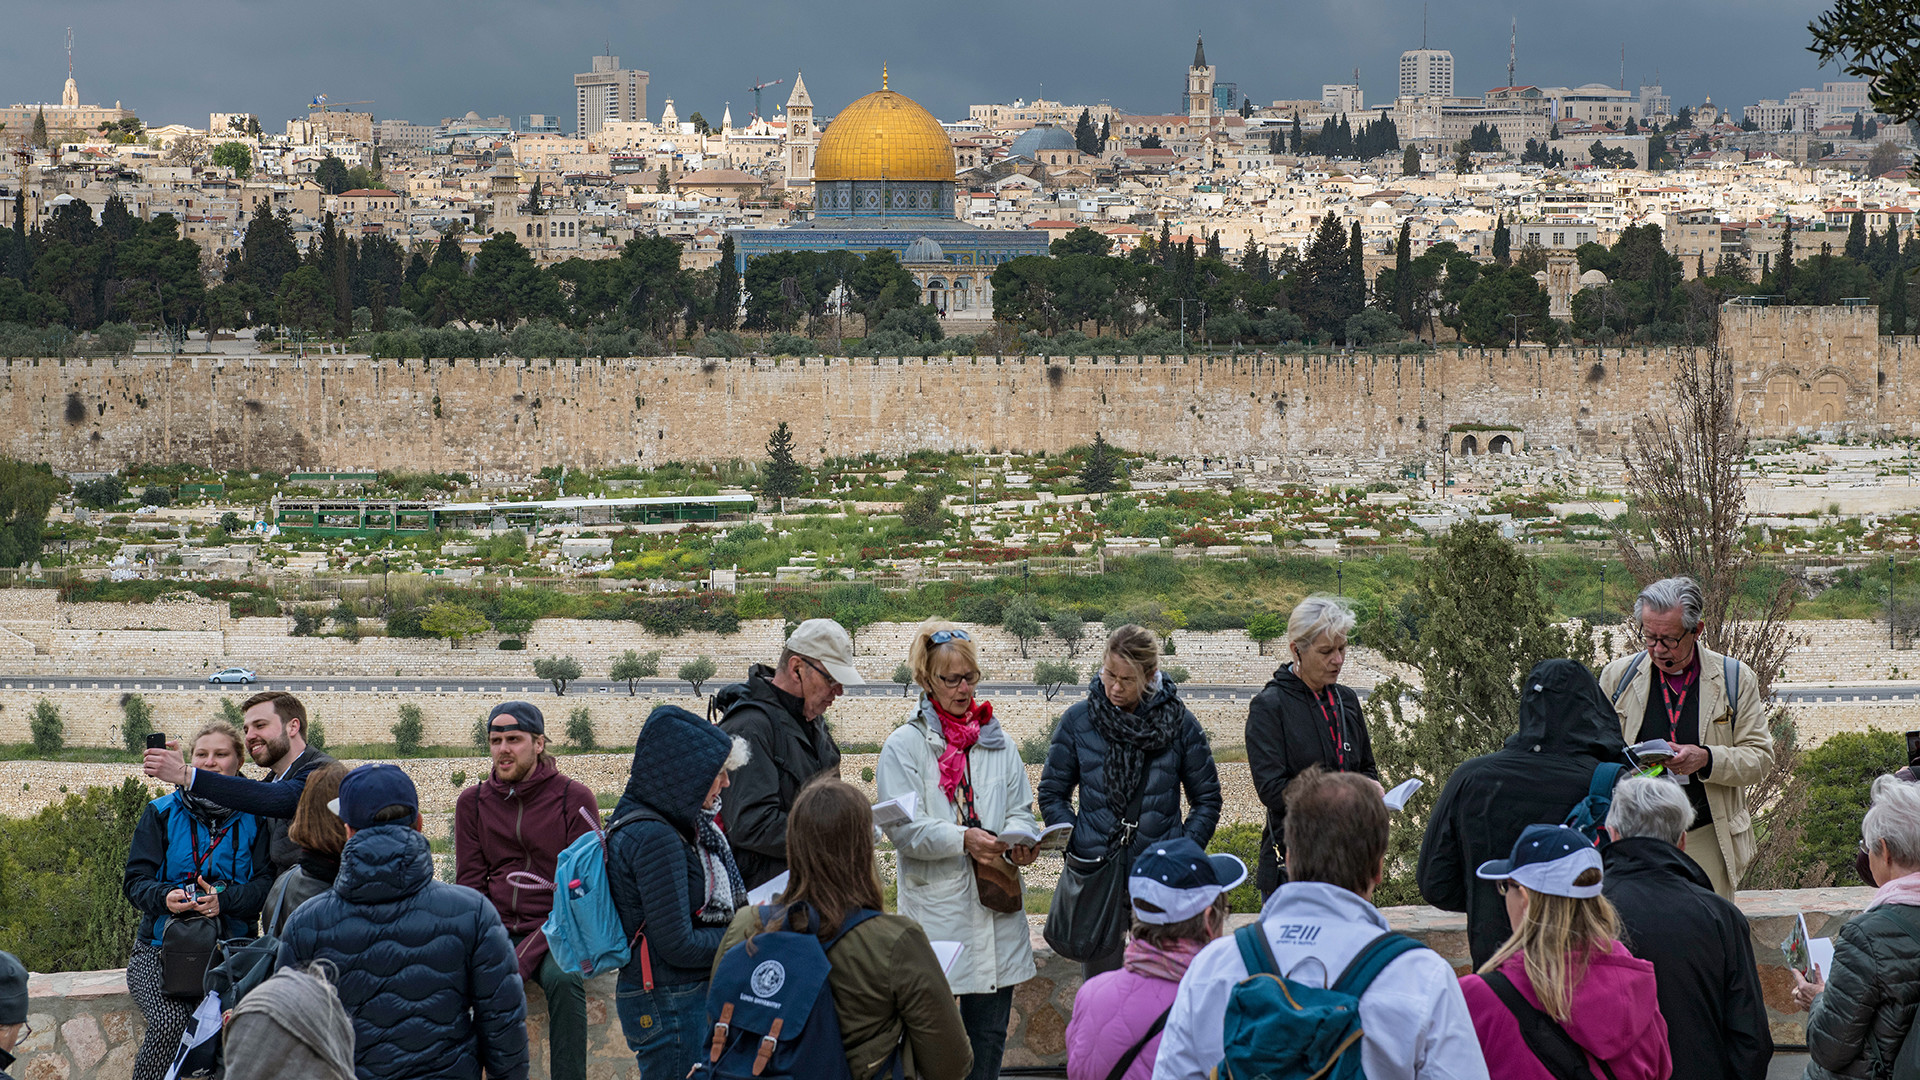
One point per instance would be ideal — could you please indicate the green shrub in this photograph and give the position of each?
(1839, 775)
(1242, 840)
(408, 731)
(137, 724)
(316, 733)
(61, 908)
(866, 774)
(512, 644)
(459, 778)
(49, 731)
(580, 728)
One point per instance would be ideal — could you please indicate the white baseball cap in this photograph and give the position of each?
(1547, 859)
(827, 642)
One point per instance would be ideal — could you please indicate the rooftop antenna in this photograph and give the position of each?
(1623, 65)
(69, 52)
(1513, 45)
(1423, 26)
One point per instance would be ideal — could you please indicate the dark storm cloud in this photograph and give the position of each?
(176, 61)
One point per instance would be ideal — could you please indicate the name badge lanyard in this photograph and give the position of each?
(1336, 728)
(1675, 707)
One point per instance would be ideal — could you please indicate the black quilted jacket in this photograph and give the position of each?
(1077, 759)
(1859, 1022)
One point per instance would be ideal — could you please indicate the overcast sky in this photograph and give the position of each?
(177, 60)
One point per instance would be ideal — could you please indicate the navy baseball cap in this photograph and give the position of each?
(370, 789)
(1547, 859)
(1181, 880)
(521, 716)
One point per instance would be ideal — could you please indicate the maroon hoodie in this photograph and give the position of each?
(499, 829)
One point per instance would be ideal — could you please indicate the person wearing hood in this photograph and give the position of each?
(1698, 942)
(1131, 748)
(514, 823)
(777, 711)
(674, 884)
(13, 1009)
(423, 966)
(1563, 973)
(1710, 708)
(1179, 898)
(319, 834)
(190, 858)
(1567, 729)
(1863, 1010)
(968, 784)
(290, 1027)
(1302, 718)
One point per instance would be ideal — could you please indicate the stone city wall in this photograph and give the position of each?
(1797, 368)
(86, 1026)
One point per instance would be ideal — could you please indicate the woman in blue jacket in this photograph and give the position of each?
(674, 884)
(190, 857)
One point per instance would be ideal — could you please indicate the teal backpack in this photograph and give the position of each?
(1278, 1029)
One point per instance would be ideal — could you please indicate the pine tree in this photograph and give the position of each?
(1356, 271)
(1403, 277)
(1083, 136)
(1294, 141)
(1856, 132)
(726, 288)
(1410, 161)
(1106, 132)
(784, 476)
(38, 137)
(1213, 246)
(1102, 467)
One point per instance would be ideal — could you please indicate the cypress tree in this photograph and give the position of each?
(1295, 140)
(1356, 271)
(726, 288)
(1783, 266)
(784, 476)
(1403, 277)
(1895, 304)
(1502, 242)
(1856, 248)
(38, 137)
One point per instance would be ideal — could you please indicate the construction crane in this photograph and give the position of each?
(756, 94)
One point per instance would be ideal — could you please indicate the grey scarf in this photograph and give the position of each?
(291, 1027)
(726, 889)
(1133, 736)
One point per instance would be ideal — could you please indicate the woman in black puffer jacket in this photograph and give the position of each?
(1864, 1008)
(1131, 739)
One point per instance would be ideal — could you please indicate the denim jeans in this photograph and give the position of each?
(666, 1029)
(566, 1020)
(985, 1017)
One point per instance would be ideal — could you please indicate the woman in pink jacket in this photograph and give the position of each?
(1563, 996)
(1179, 895)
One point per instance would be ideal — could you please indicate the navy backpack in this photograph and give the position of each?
(771, 1008)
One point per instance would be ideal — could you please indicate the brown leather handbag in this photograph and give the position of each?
(996, 882)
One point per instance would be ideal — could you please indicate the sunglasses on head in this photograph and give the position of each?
(941, 637)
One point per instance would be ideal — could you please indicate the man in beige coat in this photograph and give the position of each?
(1678, 690)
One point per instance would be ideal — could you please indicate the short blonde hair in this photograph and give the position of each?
(219, 727)
(1319, 615)
(920, 655)
(1138, 646)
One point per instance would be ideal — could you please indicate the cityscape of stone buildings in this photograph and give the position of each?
(1015, 173)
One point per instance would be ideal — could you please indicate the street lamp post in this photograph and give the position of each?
(1340, 576)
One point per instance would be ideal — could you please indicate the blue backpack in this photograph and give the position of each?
(772, 1010)
(583, 931)
(1590, 813)
(1278, 1029)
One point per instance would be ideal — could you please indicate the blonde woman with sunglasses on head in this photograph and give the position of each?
(967, 784)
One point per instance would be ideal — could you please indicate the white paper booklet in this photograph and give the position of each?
(896, 811)
(1397, 798)
(767, 891)
(1051, 838)
(947, 952)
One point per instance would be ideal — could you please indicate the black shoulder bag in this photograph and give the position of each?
(1091, 911)
(1550, 1043)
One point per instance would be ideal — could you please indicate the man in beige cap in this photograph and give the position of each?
(777, 711)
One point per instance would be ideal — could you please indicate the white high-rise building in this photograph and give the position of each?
(608, 92)
(1426, 73)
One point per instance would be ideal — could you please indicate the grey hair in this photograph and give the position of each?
(739, 755)
(1680, 594)
(1895, 819)
(1650, 806)
(1317, 615)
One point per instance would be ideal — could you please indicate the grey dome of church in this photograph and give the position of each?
(1041, 137)
(923, 250)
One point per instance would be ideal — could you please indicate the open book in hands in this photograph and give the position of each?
(1051, 838)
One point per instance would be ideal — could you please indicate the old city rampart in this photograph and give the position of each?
(1798, 369)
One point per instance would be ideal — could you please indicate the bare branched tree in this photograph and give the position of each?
(1686, 481)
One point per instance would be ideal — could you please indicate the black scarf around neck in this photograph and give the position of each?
(1133, 736)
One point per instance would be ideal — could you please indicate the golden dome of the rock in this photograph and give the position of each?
(884, 136)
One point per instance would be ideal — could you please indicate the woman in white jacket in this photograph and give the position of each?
(968, 784)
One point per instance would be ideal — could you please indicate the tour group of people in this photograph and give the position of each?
(1623, 957)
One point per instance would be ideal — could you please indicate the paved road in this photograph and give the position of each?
(1799, 694)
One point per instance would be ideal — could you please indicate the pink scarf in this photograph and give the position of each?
(961, 732)
(1901, 890)
(1167, 962)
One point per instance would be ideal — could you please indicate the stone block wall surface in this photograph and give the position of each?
(86, 1027)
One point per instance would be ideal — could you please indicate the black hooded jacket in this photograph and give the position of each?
(1702, 954)
(1287, 733)
(653, 865)
(1567, 728)
(788, 750)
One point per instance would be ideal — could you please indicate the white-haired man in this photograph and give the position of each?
(1698, 942)
(1709, 707)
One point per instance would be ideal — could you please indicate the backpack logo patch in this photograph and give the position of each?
(767, 979)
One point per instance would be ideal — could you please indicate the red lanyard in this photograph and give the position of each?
(193, 837)
(1675, 708)
(1335, 728)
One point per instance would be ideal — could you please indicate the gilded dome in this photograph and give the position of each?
(884, 136)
